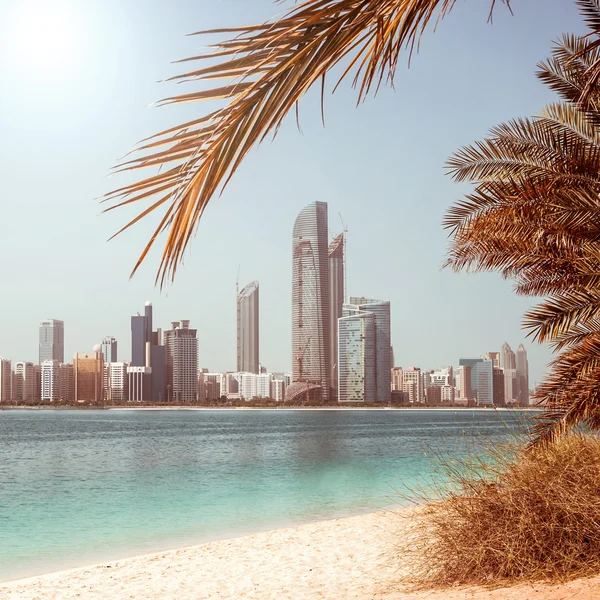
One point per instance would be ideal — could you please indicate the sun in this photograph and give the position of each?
(46, 37)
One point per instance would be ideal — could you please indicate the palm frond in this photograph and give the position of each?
(268, 68)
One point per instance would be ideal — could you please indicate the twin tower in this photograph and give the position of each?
(339, 351)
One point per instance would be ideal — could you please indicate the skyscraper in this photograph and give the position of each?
(336, 300)
(507, 357)
(381, 310)
(357, 367)
(109, 350)
(311, 342)
(24, 382)
(138, 340)
(147, 351)
(88, 373)
(5, 380)
(52, 340)
(248, 329)
(182, 362)
(522, 376)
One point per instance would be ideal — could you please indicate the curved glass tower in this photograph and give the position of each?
(311, 341)
(247, 329)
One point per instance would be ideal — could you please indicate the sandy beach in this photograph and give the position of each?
(353, 557)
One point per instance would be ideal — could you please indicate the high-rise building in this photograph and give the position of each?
(507, 357)
(522, 376)
(484, 373)
(52, 340)
(397, 379)
(147, 351)
(357, 357)
(182, 362)
(51, 390)
(118, 382)
(311, 342)
(109, 350)
(88, 374)
(5, 380)
(336, 301)
(24, 382)
(248, 329)
(465, 390)
(494, 357)
(139, 384)
(511, 391)
(381, 310)
(412, 384)
(278, 390)
(212, 386)
(498, 386)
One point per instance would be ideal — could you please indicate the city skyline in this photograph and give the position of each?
(392, 195)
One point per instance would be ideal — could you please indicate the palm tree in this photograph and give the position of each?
(267, 68)
(534, 215)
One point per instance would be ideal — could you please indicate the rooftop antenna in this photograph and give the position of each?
(344, 231)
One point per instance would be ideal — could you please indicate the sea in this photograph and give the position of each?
(82, 486)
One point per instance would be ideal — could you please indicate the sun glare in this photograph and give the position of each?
(47, 36)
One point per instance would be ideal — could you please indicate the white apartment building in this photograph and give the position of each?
(117, 389)
(278, 390)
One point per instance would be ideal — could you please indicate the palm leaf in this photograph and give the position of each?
(268, 68)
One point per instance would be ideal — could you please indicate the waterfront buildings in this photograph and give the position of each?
(483, 371)
(522, 365)
(311, 342)
(212, 386)
(117, 387)
(88, 375)
(181, 344)
(139, 384)
(52, 340)
(56, 381)
(507, 357)
(5, 380)
(381, 311)
(412, 384)
(109, 350)
(357, 371)
(397, 379)
(494, 357)
(24, 382)
(147, 350)
(465, 390)
(336, 301)
(248, 329)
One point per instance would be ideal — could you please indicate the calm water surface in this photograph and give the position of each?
(84, 486)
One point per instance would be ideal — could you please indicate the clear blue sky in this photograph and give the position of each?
(65, 118)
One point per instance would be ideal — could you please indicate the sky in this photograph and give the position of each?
(78, 81)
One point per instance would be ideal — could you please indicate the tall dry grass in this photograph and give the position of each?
(514, 515)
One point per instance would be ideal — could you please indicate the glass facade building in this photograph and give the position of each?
(52, 341)
(357, 378)
(311, 341)
(381, 310)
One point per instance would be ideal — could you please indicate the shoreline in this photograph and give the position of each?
(278, 408)
(353, 557)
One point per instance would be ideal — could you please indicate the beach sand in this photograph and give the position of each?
(349, 558)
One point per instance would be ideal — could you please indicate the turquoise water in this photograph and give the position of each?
(84, 486)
